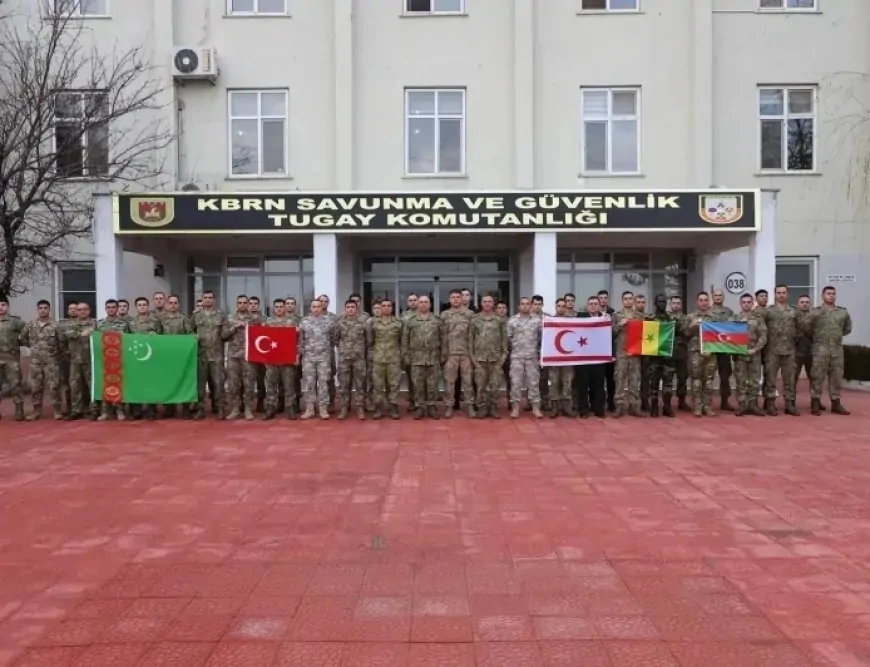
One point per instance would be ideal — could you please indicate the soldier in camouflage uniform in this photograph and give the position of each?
(487, 343)
(296, 317)
(661, 370)
(748, 366)
(145, 322)
(63, 354)
(41, 336)
(112, 322)
(385, 334)
(524, 348)
(681, 354)
(241, 374)
(561, 391)
(640, 307)
(828, 325)
(350, 337)
(11, 329)
(158, 301)
(781, 321)
(124, 310)
(78, 337)
(256, 314)
(628, 377)
(175, 323)
(761, 298)
(208, 325)
(409, 311)
(422, 345)
(455, 354)
(702, 367)
(332, 318)
(804, 343)
(723, 313)
(356, 298)
(544, 384)
(281, 380)
(501, 309)
(315, 351)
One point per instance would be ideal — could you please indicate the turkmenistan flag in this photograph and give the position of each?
(649, 338)
(143, 368)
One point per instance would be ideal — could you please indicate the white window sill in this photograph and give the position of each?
(259, 177)
(772, 172)
(417, 177)
(85, 179)
(257, 16)
(87, 17)
(429, 15)
(609, 12)
(601, 174)
(790, 12)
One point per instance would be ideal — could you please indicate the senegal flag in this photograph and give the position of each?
(142, 368)
(649, 338)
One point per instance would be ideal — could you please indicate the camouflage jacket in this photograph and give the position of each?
(691, 326)
(524, 336)
(120, 324)
(422, 340)
(42, 339)
(159, 314)
(803, 345)
(828, 327)
(62, 342)
(11, 328)
(722, 313)
(208, 326)
(315, 337)
(456, 332)
(781, 324)
(286, 321)
(233, 332)
(176, 324)
(386, 340)
(350, 336)
(146, 324)
(487, 338)
(79, 336)
(757, 329)
(620, 319)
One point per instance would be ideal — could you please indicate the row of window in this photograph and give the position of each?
(415, 7)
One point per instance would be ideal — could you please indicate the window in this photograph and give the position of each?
(257, 6)
(611, 131)
(787, 119)
(81, 134)
(434, 6)
(76, 282)
(611, 5)
(435, 132)
(788, 4)
(81, 7)
(799, 275)
(258, 133)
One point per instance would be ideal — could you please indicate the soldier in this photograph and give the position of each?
(41, 336)
(356, 298)
(112, 322)
(544, 384)
(315, 352)
(561, 379)
(628, 376)
(333, 368)
(781, 321)
(158, 303)
(410, 310)
(804, 344)
(376, 309)
(455, 354)
(609, 369)
(241, 374)
(350, 336)
(748, 366)
(385, 335)
(702, 367)
(681, 354)
(208, 324)
(591, 392)
(723, 313)
(78, 337)
(296, 317)
(63, 354)
(144, 322)
(487, 343)
(258, 317)
(661, 370)
(501, 309)
(467, 303)
(198, 306)
(281, 379)
(761, 299)
(175, 323)
(828, 325)
(11, 329)
(124, 309)
(640, 307)
(524, 345)
(422, 344)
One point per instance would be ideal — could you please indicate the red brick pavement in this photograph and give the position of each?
(686, 543)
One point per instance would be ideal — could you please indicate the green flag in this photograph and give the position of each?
(143, 368)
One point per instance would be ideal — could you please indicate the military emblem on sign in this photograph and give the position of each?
(721, 209)
(152, 211)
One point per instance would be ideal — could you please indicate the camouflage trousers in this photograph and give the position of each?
(827, 365)
(702, 372)
(80, 388)
(63, 378)
(352, 375)
(316, 378)
(746, 371)
(280, 380)
(802, 362)
(386, 377)
(561, 381)
(424, 380)
(660, 372)
(45, 374)
(627, 392)
(458, 366)
(10, 379)
(525, 373)
(775, 364)
(487, 380)
(210, 373)
(241, 384)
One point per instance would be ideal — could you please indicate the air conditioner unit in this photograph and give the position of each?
(191, 63)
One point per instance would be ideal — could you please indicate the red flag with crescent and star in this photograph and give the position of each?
(275, 346)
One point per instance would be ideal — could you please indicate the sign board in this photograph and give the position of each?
(842, 278)
(707, 211)
(735, 283)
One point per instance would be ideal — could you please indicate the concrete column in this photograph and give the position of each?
(524, 94)
(108, 253)
(762, 247)
(702, 174)
(545, 267)
(163, 34)
(343, 80)
(326, 268)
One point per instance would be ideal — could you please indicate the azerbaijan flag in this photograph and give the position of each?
(724, 338)
(143, 368)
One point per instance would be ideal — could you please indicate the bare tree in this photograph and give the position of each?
(76, 118)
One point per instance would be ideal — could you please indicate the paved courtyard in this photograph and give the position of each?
(668, 543)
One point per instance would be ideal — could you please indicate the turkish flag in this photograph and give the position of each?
(276, 346)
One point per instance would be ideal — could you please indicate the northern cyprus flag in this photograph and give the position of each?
(574, 341)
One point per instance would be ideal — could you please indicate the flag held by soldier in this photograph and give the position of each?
(274, 346)
(649, 338)
(569, 341)
(724, 337)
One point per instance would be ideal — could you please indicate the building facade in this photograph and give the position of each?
(724, 100)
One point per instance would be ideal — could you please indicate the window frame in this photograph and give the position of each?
(76, 12)
(59, 291)
(259, 175)
(803, 261)
(609, 10)
(786, 8)
(783, 118)
(85, 175)
(256, 11)
(436, 116)
(434, 12)
(609, 119)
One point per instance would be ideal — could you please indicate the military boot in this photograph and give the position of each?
(753, 409)
(169, 412)
(822, 406)
(361, 413)
(568, 409)
(654, 408)
(36, 415)
(19, 412)
(815, 407)
(482, 412)
(471, 413)
(791, 409)
(493, 411)
(120, 415)
(554, 409)
(515, 411)
(837, 408)
(291, 412)
(448, 412)
(269, 415)
(770, 407)
(536, 411)
(234, 414)
(343, 414)
(644, 405)
(309, 413)
(324, 413)
(394, 412)
(377, 415)
(667, 410)
(708, 411)
(635, 411)
(698, 410)
(619, 412)
(433, 412)
(199, 415)
(249, 416)
(419, 413)
(58, 414)
(104, 416)
(741, 409)
(185, 412)
(683, 405)
(725, 404)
